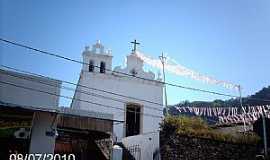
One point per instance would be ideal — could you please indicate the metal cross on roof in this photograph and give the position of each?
(135, 45)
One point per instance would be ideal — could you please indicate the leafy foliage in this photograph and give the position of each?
(196, 127)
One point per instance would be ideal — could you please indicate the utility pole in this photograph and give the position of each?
(162, 59)
(264, 136)
(241, 104)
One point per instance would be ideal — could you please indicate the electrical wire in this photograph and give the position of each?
(84, 86)
(130, 75)
(76, 90)
(126, 74)
(67, 97)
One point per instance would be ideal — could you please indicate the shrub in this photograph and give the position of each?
(196, 127)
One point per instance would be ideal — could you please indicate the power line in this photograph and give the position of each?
(67, 97)
(70, 59)
(77, 90)
(126, 74)
(68, 82)
(84, 86)
(90, 93)
(171, 84)
(202, 90)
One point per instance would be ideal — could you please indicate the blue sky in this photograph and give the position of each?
(227, 39)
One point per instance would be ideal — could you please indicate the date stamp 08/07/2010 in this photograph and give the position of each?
(37, 156)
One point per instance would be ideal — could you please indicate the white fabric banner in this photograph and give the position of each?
(175, 68)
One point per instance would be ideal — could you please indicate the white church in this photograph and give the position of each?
(137, 102)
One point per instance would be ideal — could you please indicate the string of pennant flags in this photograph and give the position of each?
(219, 115)
(228, 115)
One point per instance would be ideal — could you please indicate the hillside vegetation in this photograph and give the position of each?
(261, 97)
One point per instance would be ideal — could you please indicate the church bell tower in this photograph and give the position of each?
(97, 59)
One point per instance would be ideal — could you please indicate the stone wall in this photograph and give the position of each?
(191, 148)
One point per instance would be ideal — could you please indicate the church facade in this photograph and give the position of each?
(137, 102)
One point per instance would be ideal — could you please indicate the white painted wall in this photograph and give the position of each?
(123, 85)
(40, 142)
(148, 143)
(20, 96)
(117, 152)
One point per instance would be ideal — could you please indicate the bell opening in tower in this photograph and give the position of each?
(133, 119)
(91, 66)
(102, 67)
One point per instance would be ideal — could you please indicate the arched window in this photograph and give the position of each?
(102, 67)
(91, 66)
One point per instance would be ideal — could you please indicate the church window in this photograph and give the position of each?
(133, 119)
(91, 66)
(102, 67)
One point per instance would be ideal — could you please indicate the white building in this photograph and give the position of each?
(12, 92)
(128, 98)
(20, 89)
(36, 124)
